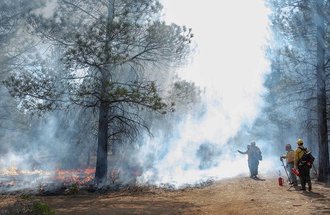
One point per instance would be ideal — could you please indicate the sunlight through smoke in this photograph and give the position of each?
(229, 63)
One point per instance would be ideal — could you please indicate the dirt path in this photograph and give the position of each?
(235, 196)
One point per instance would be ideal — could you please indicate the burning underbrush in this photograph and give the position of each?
(64, 181)
(13, 180)
(74, 181)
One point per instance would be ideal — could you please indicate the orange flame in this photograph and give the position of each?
(14, 171)
(76, 176)
(73, 176)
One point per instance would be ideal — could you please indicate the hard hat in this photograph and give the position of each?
(288, 146)
(300, 142)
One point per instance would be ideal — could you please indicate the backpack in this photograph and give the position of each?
(257, 153)
(307, 159)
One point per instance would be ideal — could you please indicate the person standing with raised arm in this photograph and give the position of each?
(254, 156)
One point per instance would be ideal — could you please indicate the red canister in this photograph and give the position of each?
(280, 181)
(295, 171)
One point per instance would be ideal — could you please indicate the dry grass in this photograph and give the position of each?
(233, 197)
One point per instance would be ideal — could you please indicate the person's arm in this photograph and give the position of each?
(242, 152)
(296, 158)
(283, 157)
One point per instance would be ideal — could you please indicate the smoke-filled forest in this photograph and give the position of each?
(117, 99)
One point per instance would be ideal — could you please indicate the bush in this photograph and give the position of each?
(42, 209)
(26, 206)
(72, 189)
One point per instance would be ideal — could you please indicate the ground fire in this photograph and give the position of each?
(14, 179)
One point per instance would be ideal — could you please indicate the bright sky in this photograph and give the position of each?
(230, 37)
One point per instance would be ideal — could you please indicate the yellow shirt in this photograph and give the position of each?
(298, 153)
(289, 156)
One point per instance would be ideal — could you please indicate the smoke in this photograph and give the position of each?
(48, 10)
(200, 149)
(230, 64)
(36, 152)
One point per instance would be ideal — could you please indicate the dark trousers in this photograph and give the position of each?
(304, 172)
(253, 167)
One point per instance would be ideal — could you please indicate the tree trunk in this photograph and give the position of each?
(321, 94)
(89, 156)
(102, 143)
(309, 133)
(323, 136)
(102, 146)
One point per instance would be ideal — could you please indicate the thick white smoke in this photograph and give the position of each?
(230, 64)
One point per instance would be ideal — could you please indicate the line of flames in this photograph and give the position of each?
(76, 176)
(14, 171)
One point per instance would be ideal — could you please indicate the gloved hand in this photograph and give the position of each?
(281, 158)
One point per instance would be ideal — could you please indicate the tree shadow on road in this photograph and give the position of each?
(320, 201)
(103, 204)
(314, 195)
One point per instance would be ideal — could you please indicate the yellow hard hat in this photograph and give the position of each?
(300, 142)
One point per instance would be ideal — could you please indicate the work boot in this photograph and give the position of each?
(309, 186)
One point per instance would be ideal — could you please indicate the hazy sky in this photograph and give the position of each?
(230, 38)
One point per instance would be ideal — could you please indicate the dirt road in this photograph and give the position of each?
(231, 196)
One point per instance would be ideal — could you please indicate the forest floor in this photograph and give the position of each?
(231, 196)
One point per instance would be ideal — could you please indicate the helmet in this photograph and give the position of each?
(253, 143)
(287, 147)
(300, 142)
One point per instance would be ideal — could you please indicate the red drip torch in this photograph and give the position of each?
(295, 171)
(280, 179)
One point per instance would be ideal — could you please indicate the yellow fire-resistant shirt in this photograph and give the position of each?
(289, 156)
(298, 153)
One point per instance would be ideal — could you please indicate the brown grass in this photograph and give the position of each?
(233, 197)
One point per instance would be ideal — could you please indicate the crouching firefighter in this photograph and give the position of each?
(303, 161)
(289, 156)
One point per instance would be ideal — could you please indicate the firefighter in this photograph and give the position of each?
(289, 156)
(254, 156)
(304, 170)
